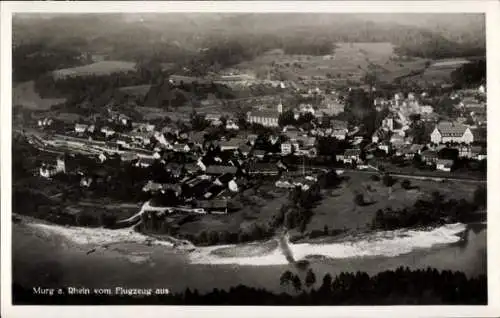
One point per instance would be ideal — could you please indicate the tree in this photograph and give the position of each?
(326, 286)
(405, 184)
(310, 278)
(286, 118)
(387, 180)
(415, 118)
(286, 278)
(359, 199)
(297, 283)
(480, 196)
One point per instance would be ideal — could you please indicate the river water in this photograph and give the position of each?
(41, 258)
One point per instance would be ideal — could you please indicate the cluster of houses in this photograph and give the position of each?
(209, 183)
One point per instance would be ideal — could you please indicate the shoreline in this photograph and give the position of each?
(275, 251)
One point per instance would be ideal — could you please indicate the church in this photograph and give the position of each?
(267, 118)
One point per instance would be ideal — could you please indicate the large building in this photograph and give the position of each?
(451, 132)
(267, 118)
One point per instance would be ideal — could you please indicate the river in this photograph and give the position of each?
(53, 257)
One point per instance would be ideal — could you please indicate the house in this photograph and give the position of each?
(379, 135)
(124, 141)
(252, 138)
(107, 131)
(286, 148)
(259, 168)
(426, 109)
(385, 146)
(81, 128)
(351, 156)
(306, 108)
(142, 137)
(445, 132)
(145, 162)
(144, 127)
(102, 157)
(307, 141)
(397, 141)
(231, 144)
(267, 118)
(214, 206)
(181, 148)
(220, 170)
(175, 169)
(231, 125)
(478, 153)
(85, 182)
(258, 153)
(245, 149)
(191, 168)
(409, 151)
(45, 122)
(429, 156)
(444, 165)
(416, 149)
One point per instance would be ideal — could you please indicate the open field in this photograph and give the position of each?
(259, 206)
(337, 210)
(96, 69)
(439, 72)
(137, 90)
(151, 113)
(68, 117)
(349, 61)
(24, 95)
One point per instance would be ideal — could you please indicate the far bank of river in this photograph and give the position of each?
(63, 257)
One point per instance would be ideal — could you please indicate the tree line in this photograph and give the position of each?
(431, 212)
(392, 287)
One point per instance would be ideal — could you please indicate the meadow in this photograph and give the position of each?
(349, 61)
(25, 95)
(95, 69)
(338, 209)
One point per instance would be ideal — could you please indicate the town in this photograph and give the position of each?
(201, 162)
(226, 155)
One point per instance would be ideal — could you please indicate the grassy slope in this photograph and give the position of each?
(338, 210)
(24, 94)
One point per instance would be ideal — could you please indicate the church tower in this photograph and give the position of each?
(280, 107)
(61, 165)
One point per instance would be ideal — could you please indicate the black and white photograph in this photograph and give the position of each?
(247, 159)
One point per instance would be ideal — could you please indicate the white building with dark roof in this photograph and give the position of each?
(451, 132)
(267, 118)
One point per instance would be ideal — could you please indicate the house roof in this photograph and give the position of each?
(352, 152)
(449, 129)
(338, 124)
(146, 160)
(264, 113)
(429, 153)
(212, 204)
(191, 167)
(179, 146)
(259, 152)
(233, 142)
(217, 169)
(445, 162)
(245, 148)
(173, 166)
(262, 166)
(416, 147)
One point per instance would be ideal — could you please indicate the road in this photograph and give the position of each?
(421, 176)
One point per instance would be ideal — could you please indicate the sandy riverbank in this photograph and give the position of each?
(378, 244)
